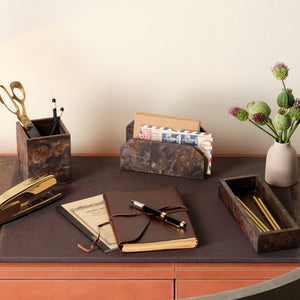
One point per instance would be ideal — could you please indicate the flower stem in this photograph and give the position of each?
(283, 85)
(285, 135)
(263, 129)
(271, 126)
(280, 137)
(292, 130)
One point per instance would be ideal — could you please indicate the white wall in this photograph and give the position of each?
(104, 60)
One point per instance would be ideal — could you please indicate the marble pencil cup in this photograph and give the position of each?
(47, 153)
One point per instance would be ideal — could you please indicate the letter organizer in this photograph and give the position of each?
(161, 158)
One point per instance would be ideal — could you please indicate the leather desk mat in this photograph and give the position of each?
(46, 236)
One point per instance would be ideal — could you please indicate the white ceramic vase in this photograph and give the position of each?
(281, 165)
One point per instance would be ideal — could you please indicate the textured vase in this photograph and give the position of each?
(281, 165)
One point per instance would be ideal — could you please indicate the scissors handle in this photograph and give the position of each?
(21, 114)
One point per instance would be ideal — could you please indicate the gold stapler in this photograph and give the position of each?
(27, 196)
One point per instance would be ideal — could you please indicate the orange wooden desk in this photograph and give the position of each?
(131, 280)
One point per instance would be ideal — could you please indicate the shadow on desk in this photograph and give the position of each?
(284, 287)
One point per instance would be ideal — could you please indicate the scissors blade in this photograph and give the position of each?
(32, 132)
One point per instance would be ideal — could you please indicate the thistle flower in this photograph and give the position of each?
(295, 111)
(260, 119)
(297, 103)
(294, 114)
(282, 121)
(234, 110)
(280, 71)
(239, 113)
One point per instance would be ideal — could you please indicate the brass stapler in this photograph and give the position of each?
(27, 196)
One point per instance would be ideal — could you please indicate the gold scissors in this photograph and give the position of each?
(15, 109)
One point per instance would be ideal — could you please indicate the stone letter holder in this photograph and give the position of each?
(161, 158)
(48, 153)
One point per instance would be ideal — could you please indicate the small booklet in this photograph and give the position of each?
(86, 215)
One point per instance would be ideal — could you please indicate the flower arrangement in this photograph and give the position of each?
(287, 119)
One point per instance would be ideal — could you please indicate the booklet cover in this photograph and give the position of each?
(86, 215)
(143, 232)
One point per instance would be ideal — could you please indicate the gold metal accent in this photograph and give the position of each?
(259, 224)
(182, 224)
(162, 215)
(21, 114)
(266, 213)
(33, 185)
(27, 196)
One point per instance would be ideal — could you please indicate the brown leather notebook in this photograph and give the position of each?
(136, 231)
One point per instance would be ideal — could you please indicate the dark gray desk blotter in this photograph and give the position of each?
(46, 236)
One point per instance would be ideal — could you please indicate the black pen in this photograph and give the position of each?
(160, 214)
(54, 128)
(54, 110)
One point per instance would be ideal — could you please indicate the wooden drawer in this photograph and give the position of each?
(210, 278)
(86, 289)
(86, 281)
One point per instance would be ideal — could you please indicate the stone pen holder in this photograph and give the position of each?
(47, 153)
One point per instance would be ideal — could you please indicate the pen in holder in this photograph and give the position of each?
(47, 153)
(56, 120)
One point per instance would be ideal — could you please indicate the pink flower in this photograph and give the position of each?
(259, 118)
(240, 113)
(234, 110)
(280, 71)
(297, 103)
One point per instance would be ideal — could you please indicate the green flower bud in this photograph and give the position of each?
(282, 121)
(285, 98)
(280, 71)
(242, 114)
(259, 107)
(294, 113)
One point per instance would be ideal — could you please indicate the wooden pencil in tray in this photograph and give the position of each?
(266, 213)
(259, 224)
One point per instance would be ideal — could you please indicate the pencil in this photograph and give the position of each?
(259, 224)
(253, 217)
(266, 213)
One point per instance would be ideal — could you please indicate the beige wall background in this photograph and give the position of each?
(104, 60)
